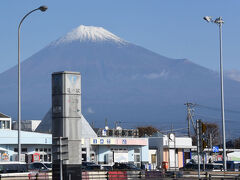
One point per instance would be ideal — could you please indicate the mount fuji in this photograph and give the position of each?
(120, 81)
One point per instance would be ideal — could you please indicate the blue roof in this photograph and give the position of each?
(11, 137)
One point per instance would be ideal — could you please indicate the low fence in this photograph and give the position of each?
(86, 175)
(212, 175)
(125, 175)
(112, 175)
(26, 176)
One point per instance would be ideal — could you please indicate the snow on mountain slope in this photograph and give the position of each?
(89, 33)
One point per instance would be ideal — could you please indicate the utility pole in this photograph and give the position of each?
(105, 122)
(198, 147)
(189, 116)
(211, 140)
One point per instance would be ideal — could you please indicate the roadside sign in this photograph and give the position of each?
(60, 148)
(215, 149)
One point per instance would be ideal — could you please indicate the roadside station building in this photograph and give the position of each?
(113, 145)
(171, 152)
(116, 149)
(32, 144)
(38, 144)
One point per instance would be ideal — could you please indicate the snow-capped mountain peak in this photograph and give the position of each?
(89, 33)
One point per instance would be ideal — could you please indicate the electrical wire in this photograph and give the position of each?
(216, 109)
(214, 118)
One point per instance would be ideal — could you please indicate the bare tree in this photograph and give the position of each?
(211, 134)
(148, 130)
(236, 143)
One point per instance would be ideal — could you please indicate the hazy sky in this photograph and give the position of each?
(175, 29)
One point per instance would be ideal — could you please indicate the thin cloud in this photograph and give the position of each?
(156, 75)
(90, 110)
(233, 74)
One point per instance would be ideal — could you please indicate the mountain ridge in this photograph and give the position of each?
(121, 82)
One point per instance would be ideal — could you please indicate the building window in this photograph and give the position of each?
(4, 124)
(83, 149)
(154, 158)
(36, 149)
(45, 149)
(24, 150)
(7, 124)
(136, 158)
(136, 150)
(45, 158)
(49, 150)
(41, 150)
(49, 157)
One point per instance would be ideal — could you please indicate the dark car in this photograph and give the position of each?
(38, 166)
(231, 165)
(189, 167)
(208, 167)
(48, 165)
(90, 166)
(106, 167)
(125, 166)
(12, 167)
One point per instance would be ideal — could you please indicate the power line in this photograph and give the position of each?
(214, 118)
(217, 109)
(173, 130)
(190, 112)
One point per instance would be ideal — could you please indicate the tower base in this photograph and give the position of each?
(70, 172)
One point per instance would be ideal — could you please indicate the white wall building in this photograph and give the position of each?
(5, 121)
(171, 150)
(31, 143)
(110, 149)
(27, 125)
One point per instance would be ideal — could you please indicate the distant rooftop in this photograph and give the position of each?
(4, 115)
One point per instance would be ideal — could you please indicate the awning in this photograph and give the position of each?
(3, 149)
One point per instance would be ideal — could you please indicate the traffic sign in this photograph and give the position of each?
(215, 149)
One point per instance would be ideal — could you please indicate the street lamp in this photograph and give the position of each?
(219, 21)
(41, 8)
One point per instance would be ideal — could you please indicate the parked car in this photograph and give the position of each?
(39, 166)
(231, 165)
(208, 167)
(189, 167)
(48, 165)
(106, 168)
(13, 167)
(125, 166)
(214, 167)
(90, 166)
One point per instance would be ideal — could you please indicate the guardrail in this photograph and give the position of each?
(125, 175)
(26, 176)
(212, 175)
(112, 175)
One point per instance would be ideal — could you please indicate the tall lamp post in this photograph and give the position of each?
(219, 21)
(41, 8)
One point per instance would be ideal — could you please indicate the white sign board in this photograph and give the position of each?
(120, 157)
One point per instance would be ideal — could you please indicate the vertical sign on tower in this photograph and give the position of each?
(66, 121)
